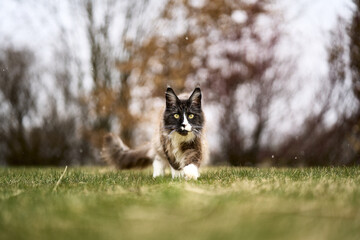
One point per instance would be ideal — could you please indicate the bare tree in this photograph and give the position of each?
(355, 48)
(30, 135)
(111, 94)
(319, 144)
(17, 101)
(250, 62)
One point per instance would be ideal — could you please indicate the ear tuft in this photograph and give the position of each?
(195, 97)
(171, 98)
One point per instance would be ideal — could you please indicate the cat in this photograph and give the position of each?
(179, 143)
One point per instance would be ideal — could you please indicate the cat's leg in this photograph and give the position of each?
(176, 174)
(158, 167)
(191, 171)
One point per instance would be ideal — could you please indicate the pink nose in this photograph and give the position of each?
(187, 127)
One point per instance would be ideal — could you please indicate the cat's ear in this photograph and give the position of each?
(195, 98)
(171, 98)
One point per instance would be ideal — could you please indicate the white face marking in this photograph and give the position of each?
(187, 124)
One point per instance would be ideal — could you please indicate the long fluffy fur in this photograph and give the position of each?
(168, 147)
(116, 153)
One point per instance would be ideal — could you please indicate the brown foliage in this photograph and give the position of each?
(183, 56)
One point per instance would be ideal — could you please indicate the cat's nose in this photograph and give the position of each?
(186, 127)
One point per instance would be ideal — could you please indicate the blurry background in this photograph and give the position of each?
(281, 80)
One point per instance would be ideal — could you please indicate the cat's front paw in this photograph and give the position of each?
(191, 172)
(158, 168)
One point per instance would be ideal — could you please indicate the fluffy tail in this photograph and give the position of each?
(116, 153)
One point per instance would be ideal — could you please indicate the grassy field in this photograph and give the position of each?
(225, 203)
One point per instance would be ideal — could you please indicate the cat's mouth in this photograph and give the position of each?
(183, 132)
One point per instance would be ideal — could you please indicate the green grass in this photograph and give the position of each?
(225, 203)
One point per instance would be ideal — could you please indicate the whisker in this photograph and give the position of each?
(197, 132)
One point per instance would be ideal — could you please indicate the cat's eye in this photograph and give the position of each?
(191, 116)
(176, 115)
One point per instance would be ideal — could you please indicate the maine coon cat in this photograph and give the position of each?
(178, 143)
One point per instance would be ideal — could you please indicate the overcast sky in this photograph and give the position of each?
(36, 24)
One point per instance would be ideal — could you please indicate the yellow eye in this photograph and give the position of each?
(191, 116)
(176, 116)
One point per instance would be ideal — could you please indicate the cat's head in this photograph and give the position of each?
(183, 115)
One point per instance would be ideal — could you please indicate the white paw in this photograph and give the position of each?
(158, 168)
(191, 172)
(176, 174)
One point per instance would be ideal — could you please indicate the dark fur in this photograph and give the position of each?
(116, 153)
(174, 105)
(188, 106)
(166, 146)
(122, 158)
